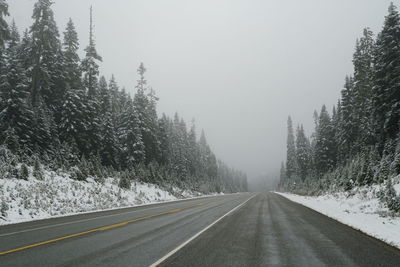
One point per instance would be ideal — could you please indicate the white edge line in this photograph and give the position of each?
(104, 216)
(172, 252)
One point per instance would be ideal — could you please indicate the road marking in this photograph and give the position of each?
(66, 223)
(104, 228)
(172, 252)
(86, 220)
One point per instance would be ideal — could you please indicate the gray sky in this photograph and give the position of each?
(239, 67)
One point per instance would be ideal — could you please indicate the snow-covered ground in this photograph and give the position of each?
(58, 195)
(360, 209)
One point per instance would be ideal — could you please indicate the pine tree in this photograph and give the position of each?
(282, 177)
(73, 125)
(347, 125)
(133, 150)
(37, 170)
(71, 57)
(14, 39)
(4, 37)
(90, 70)
(204, 151)
(145, 107)
(93, 126)
(44, 55)
(73, 121)
(386, 90)
(114, 91)
(89, 65)
(24, 52)
(4, 31)
(164, 138)
(303, 153)
(42, 130)
(152, 125)
(193, 151)
(104, 97)
(24, 172)
(109, 145)
(124, 181)
(324, 146)
(362, 90)
(291, 166)
(14, 89)
(178, 152)
(335, 122)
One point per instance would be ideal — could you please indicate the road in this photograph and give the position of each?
(261, 229)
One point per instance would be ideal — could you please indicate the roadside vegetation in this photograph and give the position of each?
(57, 113)
(358, 143)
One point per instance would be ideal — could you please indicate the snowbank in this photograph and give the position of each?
(359, 208)
(58, 195)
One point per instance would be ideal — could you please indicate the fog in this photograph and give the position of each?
(238, 67)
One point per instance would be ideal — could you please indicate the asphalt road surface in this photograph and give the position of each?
(248, 229)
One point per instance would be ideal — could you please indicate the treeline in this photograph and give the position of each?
(358, 143)
(55, 109)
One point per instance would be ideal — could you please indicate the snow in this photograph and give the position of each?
(59, 195)
(360, 208)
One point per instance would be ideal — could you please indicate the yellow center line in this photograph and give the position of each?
(103, 228)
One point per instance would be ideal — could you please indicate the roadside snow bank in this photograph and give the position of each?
(58, 195)
(359, 208)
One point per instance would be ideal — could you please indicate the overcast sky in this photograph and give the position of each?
(239, 67)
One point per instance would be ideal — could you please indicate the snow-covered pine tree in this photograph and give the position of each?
(386, 90)
(178, 152)
(204, 153)
(37, 170)
(346, 125)
(335, 122)
(73, 122)
(42, 128)
(44, 55)
(125, 181)
(193, 151)
(24, 55)
(282, 177)
(109, 149)
(117, 105)
(90, 70)
(164, 139)
(4, 31)
(4, 36)
(325, 143)
(120, 107)
(133, 152)
(71, 58)
(90, 66)
(291, 165)
(303, 153)
(15, 38)
(208, 161)
(114, 92)
(15, 115)
(313, 141)
(152, 124)
(145, 108)
(109, 145)
(104, 97)
(93, 127)
(362, 90)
